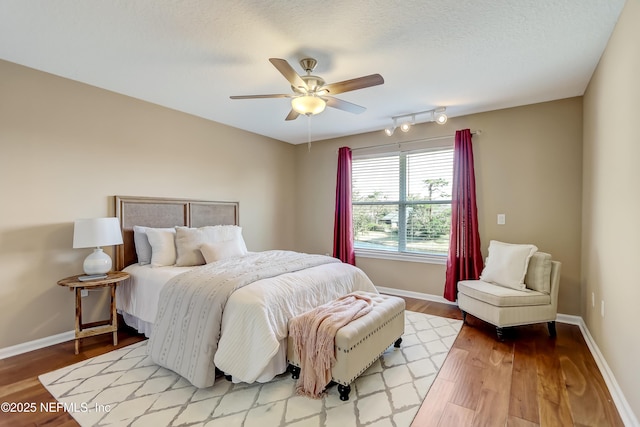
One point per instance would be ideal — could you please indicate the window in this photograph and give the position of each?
(402, 202)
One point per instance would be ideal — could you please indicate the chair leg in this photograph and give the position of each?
(552, 329)
(500, 333)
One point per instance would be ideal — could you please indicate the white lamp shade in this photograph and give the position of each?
(96, 232)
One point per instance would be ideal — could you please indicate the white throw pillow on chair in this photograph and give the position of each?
(507, 264)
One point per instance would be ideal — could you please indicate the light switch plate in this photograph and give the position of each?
(502, 219)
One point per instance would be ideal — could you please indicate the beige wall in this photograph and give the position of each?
(66, 148)
(611, 202)
(528, 166)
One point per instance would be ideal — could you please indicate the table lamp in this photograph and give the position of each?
(94, 233)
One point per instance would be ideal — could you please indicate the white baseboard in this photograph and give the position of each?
(626, 413)
(36, 344)
(569, 319)
(416, 295)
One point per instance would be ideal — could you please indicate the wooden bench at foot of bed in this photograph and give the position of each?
(361, 342)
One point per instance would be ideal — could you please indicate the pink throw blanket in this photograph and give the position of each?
(314, 334)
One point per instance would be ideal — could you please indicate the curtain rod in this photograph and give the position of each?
(435, 138)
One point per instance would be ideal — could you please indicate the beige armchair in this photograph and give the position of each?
(504, 306)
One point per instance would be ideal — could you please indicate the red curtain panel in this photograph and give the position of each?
(465, 258)
(343, 225)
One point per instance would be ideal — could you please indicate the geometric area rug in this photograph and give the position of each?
(125, 388)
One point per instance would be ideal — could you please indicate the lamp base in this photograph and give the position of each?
(97, 263)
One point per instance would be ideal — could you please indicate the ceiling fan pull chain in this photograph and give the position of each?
(309, 132)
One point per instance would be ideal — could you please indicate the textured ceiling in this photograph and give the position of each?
(191, 55)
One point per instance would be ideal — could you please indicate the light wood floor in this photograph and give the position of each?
(527, 380)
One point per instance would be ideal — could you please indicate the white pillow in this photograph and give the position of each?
(218, 251)
(163, 246)
(189, 241)
(507, 264)
(143, 247)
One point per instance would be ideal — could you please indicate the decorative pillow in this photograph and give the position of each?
(143, 247)
(507, 264)
(163, 246)
(218, 251)
(189, 241)
(538, 275)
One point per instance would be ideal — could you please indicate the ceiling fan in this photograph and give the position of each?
(311, 94)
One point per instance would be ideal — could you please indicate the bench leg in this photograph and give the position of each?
(295, 372)
(500, 333)
(344, 391)
(464, 317)
(397, 343)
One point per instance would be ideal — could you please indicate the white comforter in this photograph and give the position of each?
(254, 324)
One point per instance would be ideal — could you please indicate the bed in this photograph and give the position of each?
(250, 341)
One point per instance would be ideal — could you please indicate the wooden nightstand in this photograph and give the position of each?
(83, 330)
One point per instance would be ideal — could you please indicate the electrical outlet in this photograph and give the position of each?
(602, 308)
(501, 219)
(84, 293)
(593, 299)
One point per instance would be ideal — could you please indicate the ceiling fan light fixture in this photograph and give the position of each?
(308, 104)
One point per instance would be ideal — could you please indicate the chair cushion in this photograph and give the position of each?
(502, 296)
(507, 264)
(538, 275)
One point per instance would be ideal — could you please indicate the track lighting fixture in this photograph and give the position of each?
(389, 131)
(436, 115)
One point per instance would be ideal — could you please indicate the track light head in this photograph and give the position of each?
(404, 127)
(389, 131)
(439, 115)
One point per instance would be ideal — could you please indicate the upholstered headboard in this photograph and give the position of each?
(165, 212)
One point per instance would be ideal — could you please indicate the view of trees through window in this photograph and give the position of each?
(402, 202)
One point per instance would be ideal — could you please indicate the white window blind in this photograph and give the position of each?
(402, 201)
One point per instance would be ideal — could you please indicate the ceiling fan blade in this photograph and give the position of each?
(354, 84)
(344, 105)
(293, 114)
(275, 95)
(289, 73)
